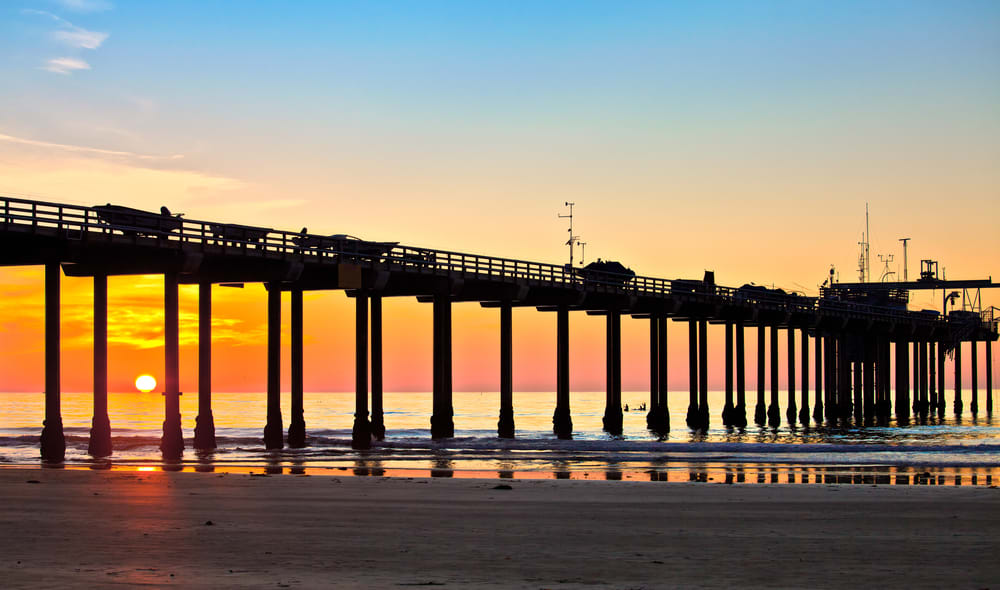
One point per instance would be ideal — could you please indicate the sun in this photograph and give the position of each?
(145, 383)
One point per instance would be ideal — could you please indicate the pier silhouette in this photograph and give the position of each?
(854, 342)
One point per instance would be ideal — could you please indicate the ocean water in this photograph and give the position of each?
(955, 450)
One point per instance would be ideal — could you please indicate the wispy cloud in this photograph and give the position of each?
(80, 38)
(85, 149)
(72, 36)
(65, 65)
(85, 5)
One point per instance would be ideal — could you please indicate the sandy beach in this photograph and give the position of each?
(76, 528)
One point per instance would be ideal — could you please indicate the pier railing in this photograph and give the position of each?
(107, 224)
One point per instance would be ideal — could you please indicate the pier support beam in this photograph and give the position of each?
(923, 405)
(974, 389)
(442, 419)
(774, 411)
(791, 412)
(274, 430)
(859, 391)
(297, 421)
(868, 377)
(53, 442)
(989, 377)
(727, 407)
(613, 401)
(932, 400)
(830, 378)
(100, 429)
(692, 413)
(172, 442)
(658, 417)
(204, 429)
(958, 378)
(940, 379)
(562, 422)
(378, 408)
(819, 376)
(739, 414)
(843, 379)
(804, 410)
(361, 433)
(505, 425)
(760, 410)
(915, 386)
(703, 375)
(902, 381)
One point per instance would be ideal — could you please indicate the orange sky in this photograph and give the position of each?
(734, 137)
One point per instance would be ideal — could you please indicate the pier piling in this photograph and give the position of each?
(727, 407)
(273, 430)
(773, 410)
(819, 377)
(613, 401)
(692, 413)
(989, 377)
(940, 379)
(297, 421)
(100, 429)
(703, 419)
(791, 412)
(172, 441)
(204, 429)
(958, 378)
(361, 433)
(53, 442)
(804, 409)
(974, 381)
(739, 413)
(562, 421)
(760, 410)
(868, 377)
(505, 425)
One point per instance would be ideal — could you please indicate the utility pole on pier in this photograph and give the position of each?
(572, 239)
(905, 276)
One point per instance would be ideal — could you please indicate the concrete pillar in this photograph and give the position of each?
(774, 411)
(915, 386)
(804, 409)
(830, 378)
(868, 377)
(859, 389)
(974, 393)
(505, 425)
(274, 430)
(989, 377)
(924, 406)
(819, 376)
(791, 412)
(932, 378)
(204, 429)
(940, 379)
(692, 413)
(844, 404)
(562, 422)
(703, 375)
(658, 417)
(172, 442)
(100, 429)
(739, 414)
(902, 381)
(958, 378)
(53, 443)
(613, 400)
(297, 421)
(760, 411)
(361, 433)
(727, 408)
(442, 420)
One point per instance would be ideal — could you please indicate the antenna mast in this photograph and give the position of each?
(904, 240)
(572, 239)
(864, 258)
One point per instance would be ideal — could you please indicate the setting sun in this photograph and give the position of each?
(145, 383)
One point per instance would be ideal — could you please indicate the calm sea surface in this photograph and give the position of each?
(954, 451)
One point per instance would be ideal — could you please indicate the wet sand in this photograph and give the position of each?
(78, 528)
